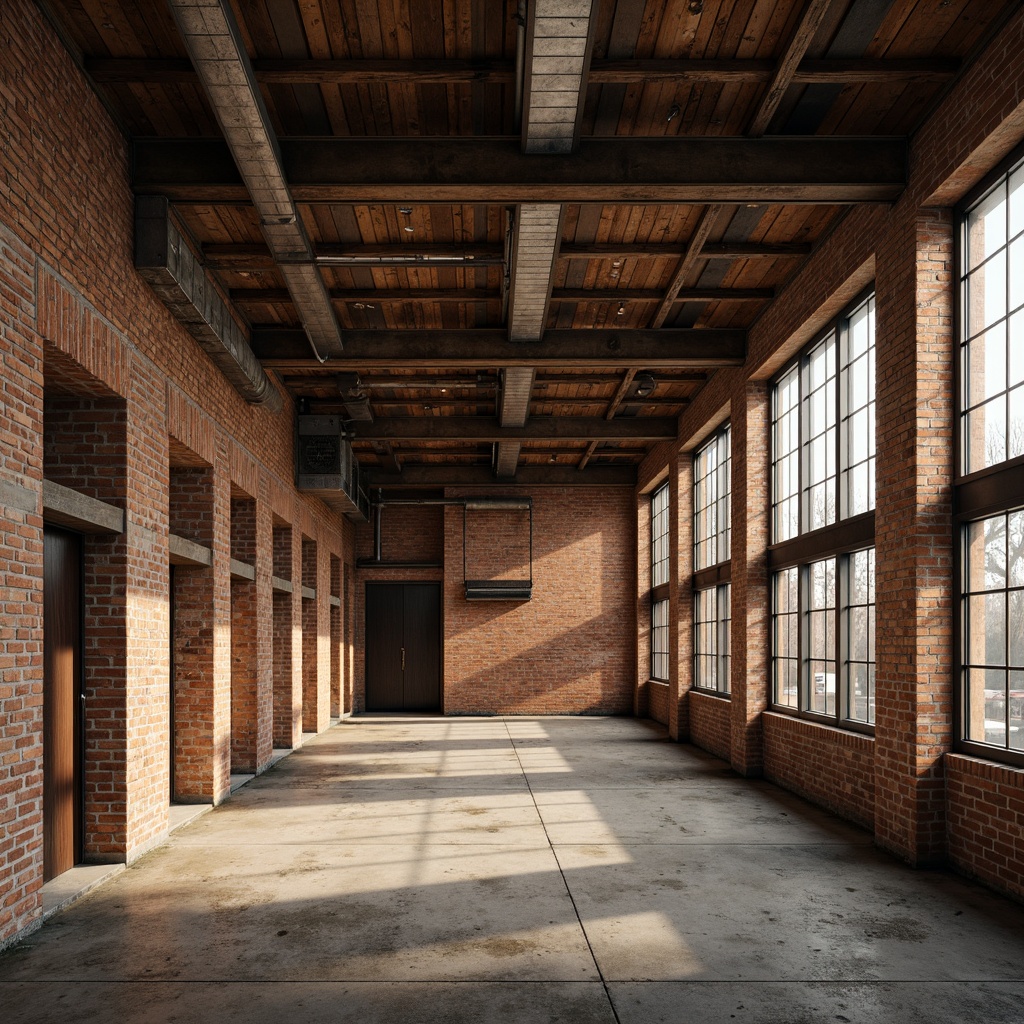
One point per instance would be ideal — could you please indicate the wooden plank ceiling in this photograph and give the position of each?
(538, 225)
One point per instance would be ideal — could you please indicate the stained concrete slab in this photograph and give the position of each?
(326, 912)
(298, 1003)
(721, 811)
(527, 869)
(818, 1002)
(786, 913)
(318, 815)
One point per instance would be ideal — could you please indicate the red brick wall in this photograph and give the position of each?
(832, 767)
(74, 313)
(710, 723)
(658, 695)
(985, 813)
(569, 649)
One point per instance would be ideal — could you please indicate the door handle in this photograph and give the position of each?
(403, 659)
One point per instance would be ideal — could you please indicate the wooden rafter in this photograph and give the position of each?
(286, 349)
(163, 71)
(485, 429)
(816, 169)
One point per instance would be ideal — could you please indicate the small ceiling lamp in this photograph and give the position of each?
(673, 112)
(644, 384)
(621, 310)
(696, 6)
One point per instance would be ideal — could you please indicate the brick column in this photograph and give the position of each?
(751, 511)
(199, 504)
(913, 535)
(287, 644)
(21, 605)
(245, 668)
(681, 593)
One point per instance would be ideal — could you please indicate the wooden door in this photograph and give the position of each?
(62, 693)
(403, 647)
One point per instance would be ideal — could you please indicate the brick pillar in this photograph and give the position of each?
(337, 654)
(287, 667)
(199, 507)
(310, 637)
(245, 667)
(264, 628)
(751, 510)
(21, 606)
(681, 593)
(913, 536)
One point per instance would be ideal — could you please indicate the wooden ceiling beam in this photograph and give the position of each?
(487, 381)
(482, 476)
(163, 71)
(566, 295)
(486, 429)
(813, 169)
(282, 348)
(254, 256)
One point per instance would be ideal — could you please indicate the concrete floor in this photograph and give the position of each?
(523, 869)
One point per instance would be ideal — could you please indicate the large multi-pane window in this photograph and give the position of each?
(712, 533)
(823, 499)
(659, 583)
(990, 487)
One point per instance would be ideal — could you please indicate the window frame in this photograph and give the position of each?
(659, 593)
(983, 494)
(715, 577)
(839, 540)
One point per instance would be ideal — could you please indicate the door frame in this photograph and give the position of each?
(439, 584)
(79, 714)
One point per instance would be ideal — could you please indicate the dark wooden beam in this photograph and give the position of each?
(788, 63)
(482, 476)
(654, 295)
(468, 170)
(685, 266)
(371, 295)
(568, 295)
(486, 429)
(121, 71)
(287, 349)
(662, 250)
(434, 382)
(256, 256)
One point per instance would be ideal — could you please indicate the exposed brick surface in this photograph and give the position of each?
(985, 811)
(129, 396)
(833, 767)
(658, 696)
(710, 723)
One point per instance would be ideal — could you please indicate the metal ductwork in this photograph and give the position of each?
(165, 261)
(325, 465)
(215, 46)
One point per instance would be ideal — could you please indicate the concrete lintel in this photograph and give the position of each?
(64, 506)
(187, 552)
(242, 571)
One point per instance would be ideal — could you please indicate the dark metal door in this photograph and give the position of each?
(403, 647)
(62, 694)
(422, 644)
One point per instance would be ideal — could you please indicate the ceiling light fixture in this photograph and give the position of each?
(673, 112)
(622, 309)
(644, 384)
(696, 6)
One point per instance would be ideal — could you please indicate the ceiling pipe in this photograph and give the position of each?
(215, 46)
